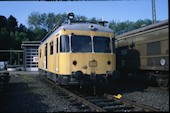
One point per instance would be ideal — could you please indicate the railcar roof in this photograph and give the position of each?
(80, 26)
(152, 26)
(86, 27)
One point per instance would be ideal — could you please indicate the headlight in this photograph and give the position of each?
(162, 61)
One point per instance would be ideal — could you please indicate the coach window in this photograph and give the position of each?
(102, 44)
(64, 43)
(51, 48)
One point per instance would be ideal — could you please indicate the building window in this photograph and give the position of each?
(51, 48)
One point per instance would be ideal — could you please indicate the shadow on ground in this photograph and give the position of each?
(19, 97)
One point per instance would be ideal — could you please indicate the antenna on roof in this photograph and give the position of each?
(102, 18)
(103, 22)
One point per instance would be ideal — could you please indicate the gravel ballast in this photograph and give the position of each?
(141, 91)
(26, 93)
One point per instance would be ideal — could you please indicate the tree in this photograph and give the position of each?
(34, 20)
(82, 18)
(3, 22)
(44, 21)
(22, 28)
(39, 34)
(50, 21)
(12, 23)
(93, 20)
(11, 33)
(141, 23)
(123, 27)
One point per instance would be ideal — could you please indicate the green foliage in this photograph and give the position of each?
(34, 20)
(11, 23)
(38, 33)
(11, 36)
(93, 20)
(123, 27)
(82, 18)
(3, 21)
(44, 21)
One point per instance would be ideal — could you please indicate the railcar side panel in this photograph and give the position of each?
(144, 51)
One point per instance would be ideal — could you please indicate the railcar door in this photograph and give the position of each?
(56, 58)
(46, 55)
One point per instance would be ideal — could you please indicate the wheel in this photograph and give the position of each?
(163, 83)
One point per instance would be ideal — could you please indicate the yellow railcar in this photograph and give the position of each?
(78, 53)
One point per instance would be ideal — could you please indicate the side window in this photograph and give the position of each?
(64, 43)
(51, 48)
(57, 45)
(156, 50)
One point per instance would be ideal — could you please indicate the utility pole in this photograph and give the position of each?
(153, 12)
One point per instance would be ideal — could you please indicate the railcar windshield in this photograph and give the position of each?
(102, 44)
(81, 43)
(64, 43)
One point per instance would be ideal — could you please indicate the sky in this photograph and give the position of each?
(117, 10)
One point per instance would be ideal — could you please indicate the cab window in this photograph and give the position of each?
(102, 44)
(64, 43)
(81, 43)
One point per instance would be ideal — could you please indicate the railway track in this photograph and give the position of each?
(104, 103)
